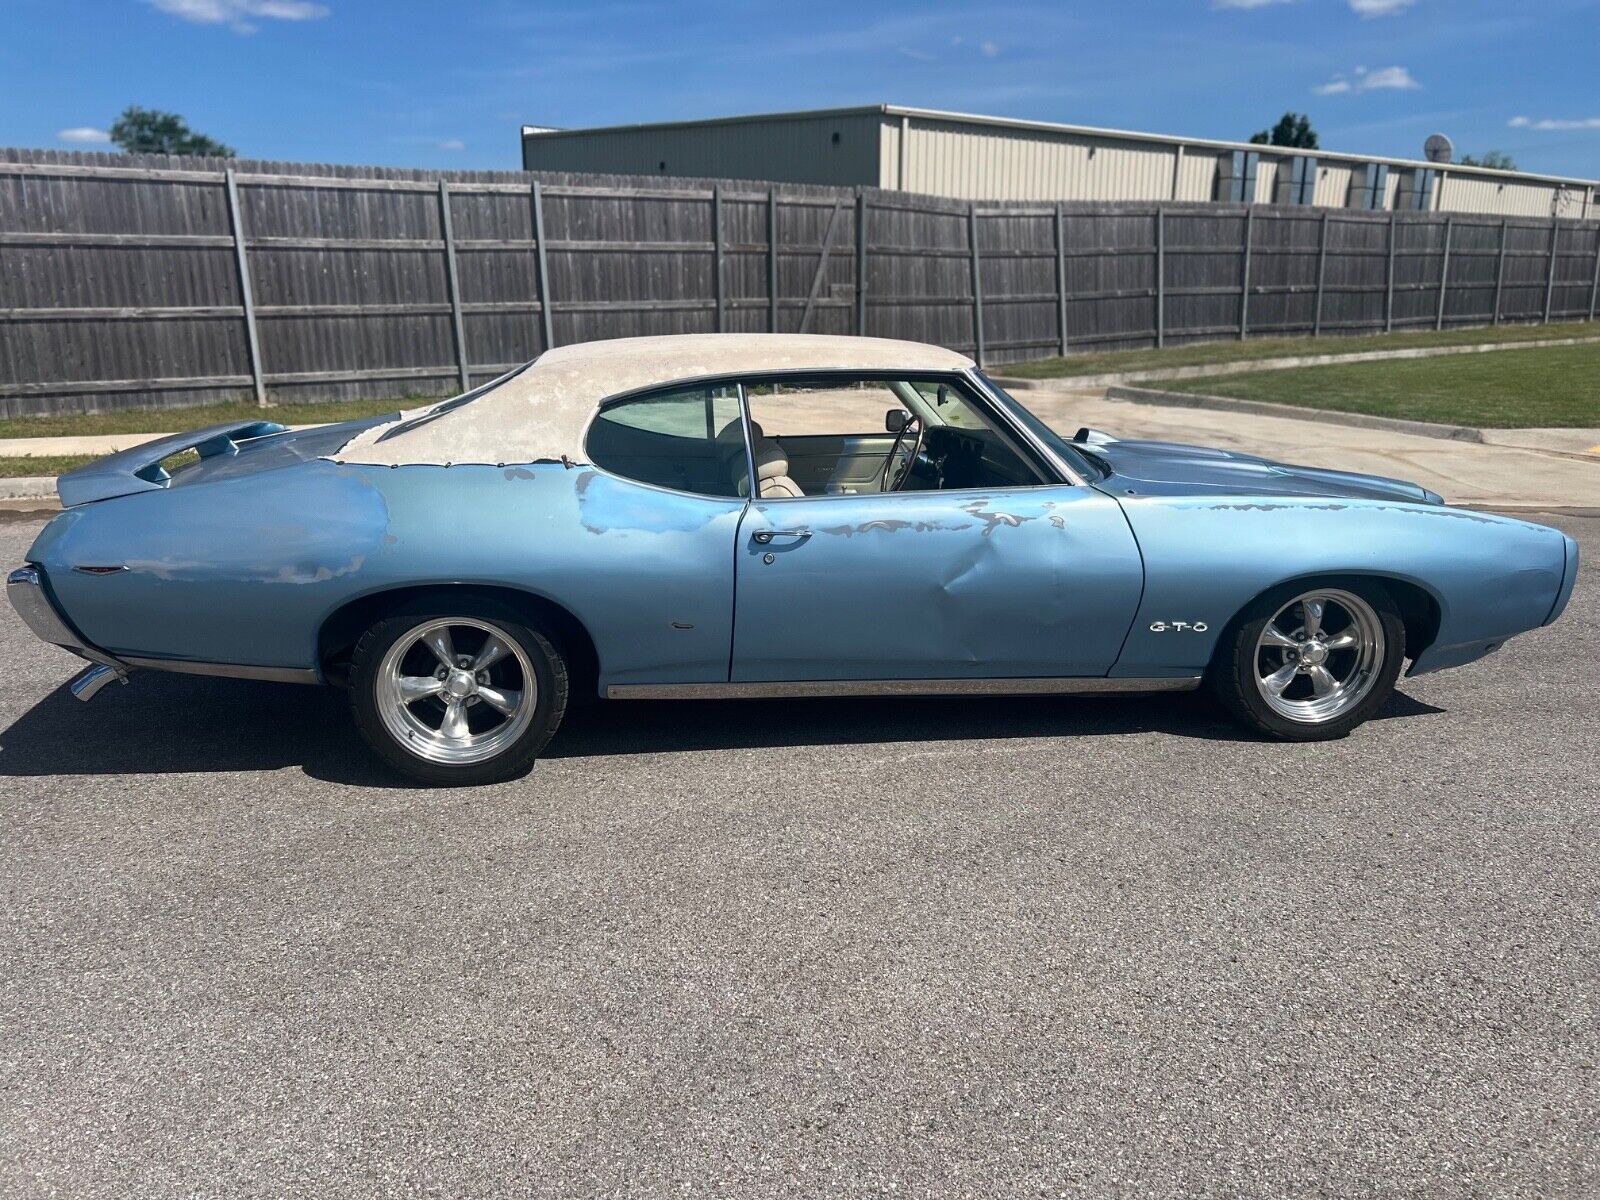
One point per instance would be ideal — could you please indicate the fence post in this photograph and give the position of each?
(716, 255)
(246, 290)
(1444, 274)
(1244, 275)
(1161, 277)
(977, 283)
(772, 261)
(1061, 277)
(453, 283)
(1594, 286)
(1550, 275)
(1388, 282)
(1499, 272)
(542, 267)
(861, 262)
(1322, 274)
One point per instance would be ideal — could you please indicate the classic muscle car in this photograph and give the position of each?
(760, 515)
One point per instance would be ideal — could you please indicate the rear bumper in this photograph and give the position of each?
(1569, 579)
(26, 591)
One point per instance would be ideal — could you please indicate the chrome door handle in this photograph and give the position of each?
(762, 537)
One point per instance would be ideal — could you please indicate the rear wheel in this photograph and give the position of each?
(461, 694)
(1311, 664)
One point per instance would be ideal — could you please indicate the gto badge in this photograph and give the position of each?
(1179, 626)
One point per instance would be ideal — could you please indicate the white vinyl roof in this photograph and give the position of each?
(541, 413)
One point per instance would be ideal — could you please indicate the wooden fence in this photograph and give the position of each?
(158, 282)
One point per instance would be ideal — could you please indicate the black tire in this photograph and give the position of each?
(517, 756)
(1232, 677)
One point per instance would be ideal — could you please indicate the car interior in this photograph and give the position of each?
(828, 436)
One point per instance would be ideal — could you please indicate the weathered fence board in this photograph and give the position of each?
(155, 282)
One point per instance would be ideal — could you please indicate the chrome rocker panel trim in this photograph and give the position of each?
(184, 666)
(1078, 685)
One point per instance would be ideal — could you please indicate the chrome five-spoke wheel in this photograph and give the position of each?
(456, 690)
(1319, 656)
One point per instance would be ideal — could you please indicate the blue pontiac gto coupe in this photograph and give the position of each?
(760, 515)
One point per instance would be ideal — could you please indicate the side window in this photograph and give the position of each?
(688, 439)
(842, 436)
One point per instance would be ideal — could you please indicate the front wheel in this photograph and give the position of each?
(1311, 664)
(457, 694)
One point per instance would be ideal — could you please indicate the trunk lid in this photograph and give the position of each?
(218, 451)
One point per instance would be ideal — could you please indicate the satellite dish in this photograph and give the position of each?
(1438, 148)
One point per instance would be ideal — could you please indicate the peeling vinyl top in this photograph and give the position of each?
(540, 413)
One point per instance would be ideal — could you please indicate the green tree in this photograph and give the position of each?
(1292, 130)
(1497, 160)
(150, 131)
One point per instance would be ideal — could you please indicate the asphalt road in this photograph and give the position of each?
(1083, 947)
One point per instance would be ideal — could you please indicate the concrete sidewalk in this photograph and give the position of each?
(1506, 475)
(1490, 476)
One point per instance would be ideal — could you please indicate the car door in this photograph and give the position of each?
(1039, 580)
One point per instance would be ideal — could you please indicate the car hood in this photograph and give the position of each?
(1170, 468)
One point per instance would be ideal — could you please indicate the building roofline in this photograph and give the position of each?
(960, 118)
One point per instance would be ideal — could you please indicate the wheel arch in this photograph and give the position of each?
(342, 628)
(1419, 608)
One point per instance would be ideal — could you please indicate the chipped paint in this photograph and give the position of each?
(1491, 581)
(867, 597)
(890, 525)
(993, 520)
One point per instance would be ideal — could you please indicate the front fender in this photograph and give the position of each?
(1206, 558)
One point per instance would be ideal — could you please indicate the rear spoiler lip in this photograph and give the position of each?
(139, 469)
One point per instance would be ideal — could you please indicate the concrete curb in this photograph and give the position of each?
(1158, 374)
(29, 494)
(96, 444)
(1263, 408)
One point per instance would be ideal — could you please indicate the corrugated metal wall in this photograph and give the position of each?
(1485, 194)
(801, 150)
(1333, 184)
(975, 160)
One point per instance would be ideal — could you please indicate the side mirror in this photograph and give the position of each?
(896, 419)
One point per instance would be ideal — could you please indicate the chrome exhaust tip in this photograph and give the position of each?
(87, 685)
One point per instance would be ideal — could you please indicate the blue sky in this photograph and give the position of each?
(407, 82)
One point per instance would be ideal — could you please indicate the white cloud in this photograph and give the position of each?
(1383, 79)
(450, 144)
(1246, 3)
(1379, 8)
(989, 49)
(84, 133)
(1391, 78)
(1387, 79)
(1554, 123)
(241, 15)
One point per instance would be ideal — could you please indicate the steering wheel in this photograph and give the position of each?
(892, 480)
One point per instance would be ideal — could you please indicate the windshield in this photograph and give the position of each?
(1085, 465)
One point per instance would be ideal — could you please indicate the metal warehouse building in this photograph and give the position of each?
(994, 158)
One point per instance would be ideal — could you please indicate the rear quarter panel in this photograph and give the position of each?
(246, 569)
(1206, 558)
